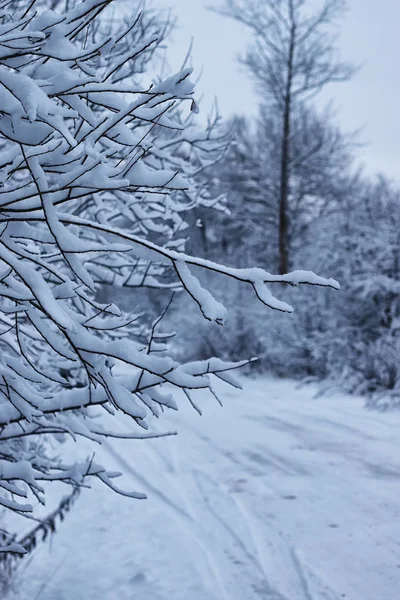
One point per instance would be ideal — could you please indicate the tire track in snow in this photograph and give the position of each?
(263, 557)
(224, 559)
(292, 572)
(284, 556)
(256, 583)
(197, 474)
(298, 577)
(333, 494)
(183, 518)
(260, 488)
(144, 481)
(198, 515)
(312, 585)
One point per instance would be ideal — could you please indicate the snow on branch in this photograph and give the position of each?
(97, 171)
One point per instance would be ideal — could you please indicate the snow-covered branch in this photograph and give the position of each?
(97, 172)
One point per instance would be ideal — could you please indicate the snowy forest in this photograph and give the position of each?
(199, 315)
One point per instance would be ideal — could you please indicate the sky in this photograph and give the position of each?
(370, 37)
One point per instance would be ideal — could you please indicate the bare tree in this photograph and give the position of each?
(292, 58)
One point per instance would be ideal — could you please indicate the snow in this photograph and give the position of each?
(209, 306)
(16, 548)
(264, 294)
(280, 495)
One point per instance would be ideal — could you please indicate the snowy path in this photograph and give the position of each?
(277, 496)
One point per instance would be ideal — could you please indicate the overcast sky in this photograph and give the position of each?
(370, 36)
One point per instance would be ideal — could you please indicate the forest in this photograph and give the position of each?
(155, 258)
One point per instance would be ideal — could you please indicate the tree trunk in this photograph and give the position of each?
(285, 157)
(283, 198)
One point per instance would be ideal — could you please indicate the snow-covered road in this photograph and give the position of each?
(276, 496)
